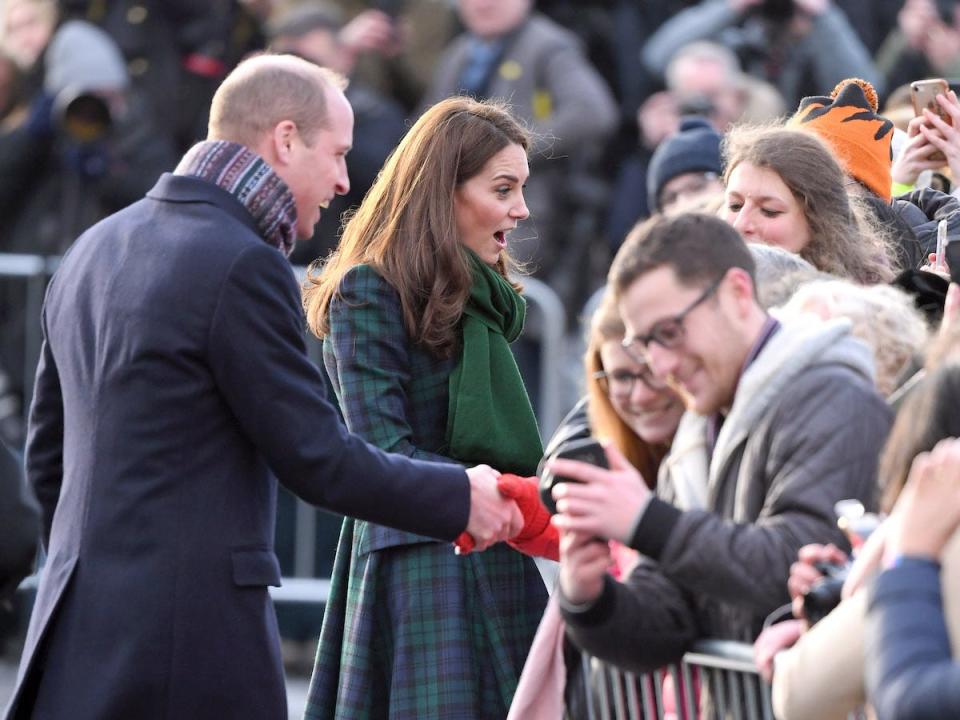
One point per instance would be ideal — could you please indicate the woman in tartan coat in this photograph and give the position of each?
(416, 313)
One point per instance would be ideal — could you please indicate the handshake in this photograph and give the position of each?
(526, 502)
(512, 513)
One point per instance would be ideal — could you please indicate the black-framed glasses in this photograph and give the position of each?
(669, 332)
(620, 383)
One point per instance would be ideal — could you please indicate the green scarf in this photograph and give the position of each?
(490, 419)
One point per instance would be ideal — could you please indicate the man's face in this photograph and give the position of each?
(706, 362)
(318, 171)
(490, 19)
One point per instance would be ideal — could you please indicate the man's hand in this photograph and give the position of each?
(493, 518)
(584, 562)
(606, 502)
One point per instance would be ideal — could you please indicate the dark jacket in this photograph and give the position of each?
(804, 431)
(173, 385)
(910, 672)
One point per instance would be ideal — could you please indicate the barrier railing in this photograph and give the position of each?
(716, 680)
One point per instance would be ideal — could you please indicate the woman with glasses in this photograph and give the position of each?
(639, 415)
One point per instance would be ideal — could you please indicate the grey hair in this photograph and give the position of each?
(703, 50)
(882, 316)
(779, 273)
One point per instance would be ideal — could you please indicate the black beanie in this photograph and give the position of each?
(695, 147)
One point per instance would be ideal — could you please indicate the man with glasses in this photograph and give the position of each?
(786, 421)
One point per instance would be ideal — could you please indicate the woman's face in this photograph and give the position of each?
(652, 414)
(762, 209)
(490, 204)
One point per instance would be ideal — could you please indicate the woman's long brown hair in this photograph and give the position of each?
(405, 227)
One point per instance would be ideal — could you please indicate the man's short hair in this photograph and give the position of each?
(697, 246)
(267, 89)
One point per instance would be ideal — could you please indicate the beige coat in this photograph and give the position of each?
(821, 677)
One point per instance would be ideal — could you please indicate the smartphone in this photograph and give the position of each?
(586, 450)
(924, 93)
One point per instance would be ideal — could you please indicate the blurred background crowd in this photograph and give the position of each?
(98, 98)
(637, 107)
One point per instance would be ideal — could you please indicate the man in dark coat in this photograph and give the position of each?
(173, 384)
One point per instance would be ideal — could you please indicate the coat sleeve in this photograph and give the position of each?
(44, 446)
(836, 52)
(639, 625)
(258, 357)
(821, 445)
(700, 22)
(910, 672)
(583, 110)
(371, 359)
(822, 675)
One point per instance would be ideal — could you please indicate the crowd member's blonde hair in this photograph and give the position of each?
(882, 316)
(844, 240)
(605, 422)
(267, 89)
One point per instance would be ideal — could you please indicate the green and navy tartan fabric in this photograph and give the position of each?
(411, 630)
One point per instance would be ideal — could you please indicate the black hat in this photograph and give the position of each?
(695, 147)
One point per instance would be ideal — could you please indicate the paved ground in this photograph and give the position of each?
(296, 688)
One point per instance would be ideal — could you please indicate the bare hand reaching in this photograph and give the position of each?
(606, 502)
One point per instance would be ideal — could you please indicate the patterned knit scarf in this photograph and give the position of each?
(248, 177)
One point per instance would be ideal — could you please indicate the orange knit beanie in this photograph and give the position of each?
(859, 137)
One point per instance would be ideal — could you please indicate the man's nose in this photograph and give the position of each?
(662, 362)
(342, 186)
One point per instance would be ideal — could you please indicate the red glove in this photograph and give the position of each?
(537, 537)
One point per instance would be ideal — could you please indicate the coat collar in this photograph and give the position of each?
(185, 189)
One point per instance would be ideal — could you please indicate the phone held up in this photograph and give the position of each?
(924, 93)
(587, 450)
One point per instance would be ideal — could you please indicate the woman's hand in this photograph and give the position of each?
(929, 506)
(772, 640)
(944, 136)
(915, 156)
(583, 565)
(804, 574)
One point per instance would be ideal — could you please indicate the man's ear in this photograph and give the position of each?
(741, 288)
(282, 139)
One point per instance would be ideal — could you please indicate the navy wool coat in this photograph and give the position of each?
(173, 386)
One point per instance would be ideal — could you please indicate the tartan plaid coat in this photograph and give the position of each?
(411, 630)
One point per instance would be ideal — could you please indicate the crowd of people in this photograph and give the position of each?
(768, 230)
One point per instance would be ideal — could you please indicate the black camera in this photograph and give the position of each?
(824, 595)
(586, 450)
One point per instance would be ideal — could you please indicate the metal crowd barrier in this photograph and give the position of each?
(716, 680)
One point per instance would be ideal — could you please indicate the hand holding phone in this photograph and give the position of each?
(586, 450)
(923, 94)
